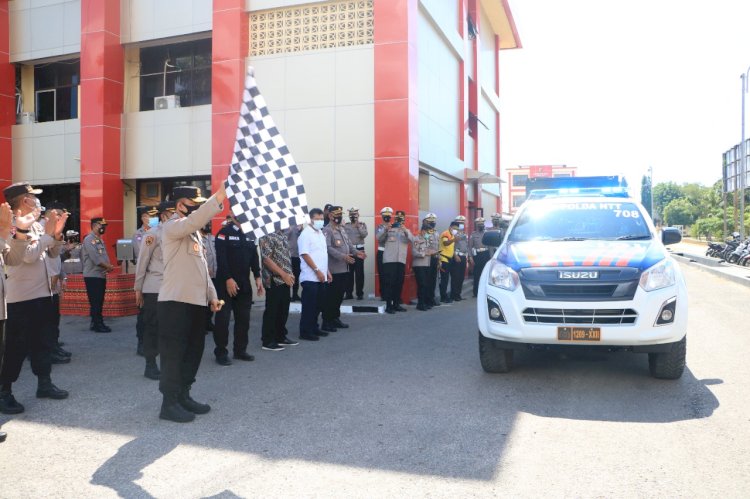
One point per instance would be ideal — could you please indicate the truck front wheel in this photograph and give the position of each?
(494, 359)
(668, 365)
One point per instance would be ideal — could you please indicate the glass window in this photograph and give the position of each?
(518, 201)
(56, 87)
(187, 73)
(520, 180)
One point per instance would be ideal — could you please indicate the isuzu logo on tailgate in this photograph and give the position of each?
(571, 274)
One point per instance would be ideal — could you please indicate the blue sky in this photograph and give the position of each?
(614, 86)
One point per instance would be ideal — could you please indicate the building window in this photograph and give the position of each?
(518, 200)
(56, 90)
(520, 180)
(182, 70)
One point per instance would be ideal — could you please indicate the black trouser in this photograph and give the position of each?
(239, 305)
(276, 314)
(458, 271)
(56, 316)
(356, 275)
(422, 275)
(150, 325)
(334, 296)
(480, 260)
(445, 277)
(433, 279)
(95, 289)
(181, 341)
(313, 294)
(29, 330)
(394, 281)
(296, 272)
(139, 326)
(381, 279)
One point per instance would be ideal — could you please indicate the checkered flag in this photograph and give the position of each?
(264, 186)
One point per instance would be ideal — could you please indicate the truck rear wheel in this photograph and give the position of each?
(669, 365)
(494, 358)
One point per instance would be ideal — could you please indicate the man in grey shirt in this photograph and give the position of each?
(95, 268)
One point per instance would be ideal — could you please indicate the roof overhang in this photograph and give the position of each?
(503, 24)
(481, 177)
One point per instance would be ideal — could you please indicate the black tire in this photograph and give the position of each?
(669, 365)
(494, 359)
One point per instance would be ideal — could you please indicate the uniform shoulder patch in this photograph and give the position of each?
(221, 236)
(149, 240)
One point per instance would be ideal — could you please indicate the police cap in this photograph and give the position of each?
(18, 189)
(188, 192)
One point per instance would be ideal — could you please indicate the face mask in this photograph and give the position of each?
(453, 231)
(386, 218)
(153, 221)
(461, 227)
(102, 230)
(35, 203)
(189, 209)
(318, 224)
(481, 228)
(353, 219)
(400, 219)
(337, 220)
(431, 225)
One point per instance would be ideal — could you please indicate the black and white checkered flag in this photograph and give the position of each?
(264, 186)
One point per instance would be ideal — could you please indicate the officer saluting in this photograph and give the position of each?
(185, 293)
(95, 267)
(479, 254)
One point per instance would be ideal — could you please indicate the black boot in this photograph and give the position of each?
(171, 410)
(62, 352)
(152, 370)
(3, 436)
(139, 348)
(99, 327)
(187, 403)
(389, 308)
(46, 390)
(57, 358)
(8, 403)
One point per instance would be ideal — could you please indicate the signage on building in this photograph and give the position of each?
(540, 171)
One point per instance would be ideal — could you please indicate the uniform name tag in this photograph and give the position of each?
(234, 238)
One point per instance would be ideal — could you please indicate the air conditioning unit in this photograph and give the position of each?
(167, 102)
(25, 118)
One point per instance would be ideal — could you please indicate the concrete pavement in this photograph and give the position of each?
(397, 406)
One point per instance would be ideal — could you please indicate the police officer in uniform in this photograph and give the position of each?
(479, 254)
(149, 272)
(236, 256)
(357, 232)
(429, 224)
(95, 268)
(498, 225)
(386, 213)
(425, 247)
(185, 292)
(148, 216)
(396, 241)
(6, 225)
(447, 251)
(460, 254)
(30, 327)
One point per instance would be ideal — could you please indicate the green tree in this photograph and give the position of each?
(665, 193)
(679, 212)
(646, 194)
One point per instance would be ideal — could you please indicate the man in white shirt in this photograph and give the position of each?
(314, 275)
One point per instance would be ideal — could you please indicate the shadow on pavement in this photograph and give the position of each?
(404, 395)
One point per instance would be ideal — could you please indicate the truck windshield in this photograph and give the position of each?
(565, 220)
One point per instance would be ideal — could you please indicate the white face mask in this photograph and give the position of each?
(453, 231)
(318, 224)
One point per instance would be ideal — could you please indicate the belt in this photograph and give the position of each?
(381, 248)
(460, 254)
(479, 250)
(359, 246)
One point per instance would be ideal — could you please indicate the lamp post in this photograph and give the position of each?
(651, 182)
(743, 156)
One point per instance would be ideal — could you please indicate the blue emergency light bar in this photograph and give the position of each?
(615, 192)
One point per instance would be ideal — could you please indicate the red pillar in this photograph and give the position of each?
(7, 98)
(102, 74)
(230, 49)
(396, 132)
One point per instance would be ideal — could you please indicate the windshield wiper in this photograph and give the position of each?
(567, 239)
(633, 237)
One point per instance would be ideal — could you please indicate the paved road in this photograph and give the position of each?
(398, 407)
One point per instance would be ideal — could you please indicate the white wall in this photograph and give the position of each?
(438, 84)
(488, 73)
(47, 153)
(487, 138)
(167, 143)
(444, 200)
(44, 28)
(143, 20)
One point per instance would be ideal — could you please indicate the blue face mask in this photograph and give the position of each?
(153, 221)
(318, 224)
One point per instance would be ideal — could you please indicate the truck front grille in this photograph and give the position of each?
(580, 316)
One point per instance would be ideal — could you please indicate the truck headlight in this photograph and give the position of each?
(502, 276)
(658, 276)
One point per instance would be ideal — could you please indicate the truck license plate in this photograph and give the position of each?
(579, 333)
